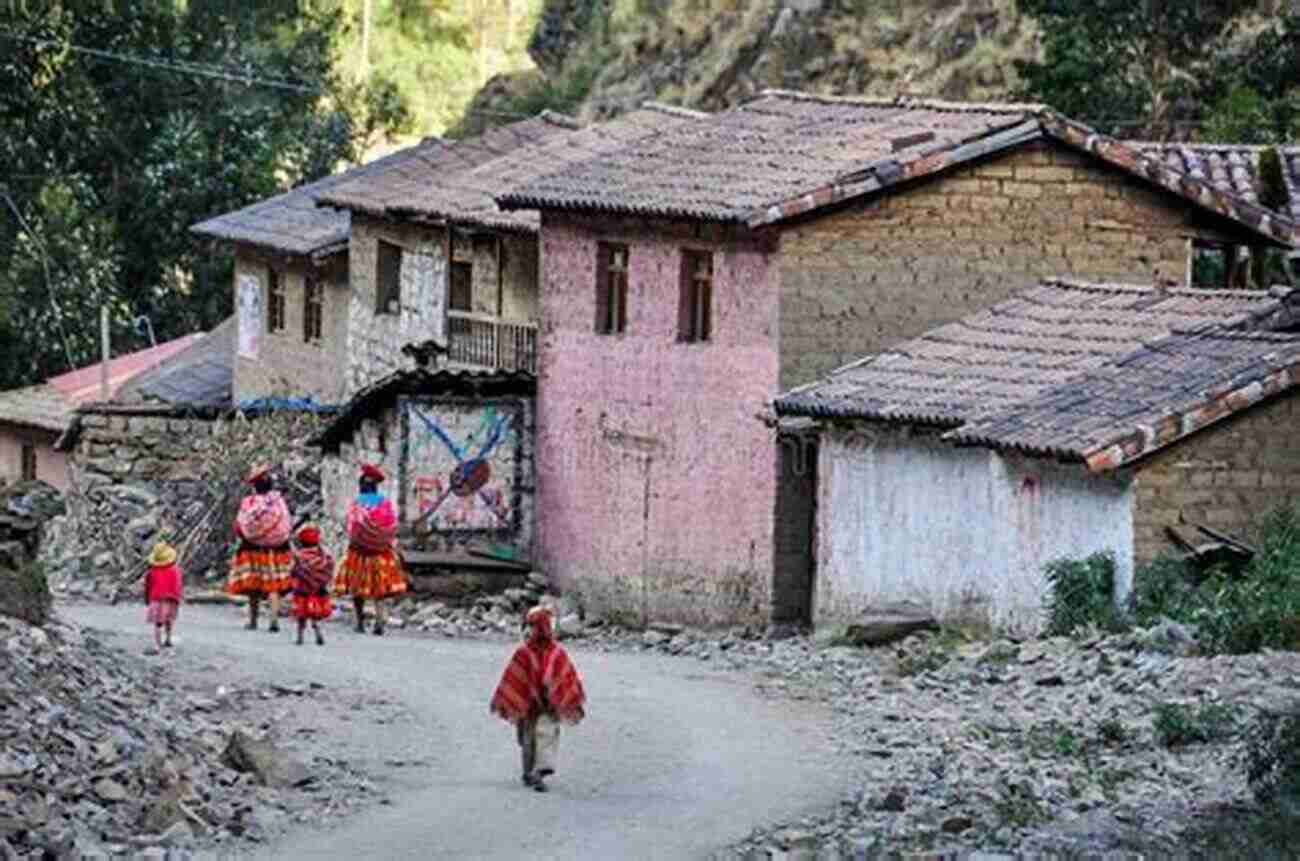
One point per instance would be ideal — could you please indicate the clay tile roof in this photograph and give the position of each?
(40, 406)
(292, 223)
(437, 166)
(782, 155)
(1065, 368)
(467, 197)
(1234, 168)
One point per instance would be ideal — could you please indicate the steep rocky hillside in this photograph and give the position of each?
(596, 58)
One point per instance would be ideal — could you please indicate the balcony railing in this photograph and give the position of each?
(490, 342)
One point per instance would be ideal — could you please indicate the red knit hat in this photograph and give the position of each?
(370, 471)
(309, 534)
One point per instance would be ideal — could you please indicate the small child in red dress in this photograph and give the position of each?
(163, 592)
(311, 572)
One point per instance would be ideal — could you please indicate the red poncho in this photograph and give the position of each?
(540, 666)
(263, 520)
(372, 527)
(162, 583)
(311, 572)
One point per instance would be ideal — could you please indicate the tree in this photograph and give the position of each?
(1128, 67)
(123, 124)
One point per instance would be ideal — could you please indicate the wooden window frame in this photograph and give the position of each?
(612, 265)
(388, 277)
(275, 301)
(313, 310)
(467, 294)
(27, 463)
(695, 305)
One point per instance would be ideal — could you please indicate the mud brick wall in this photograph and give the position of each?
(857, 281)
(1228, 476)
(286, 364)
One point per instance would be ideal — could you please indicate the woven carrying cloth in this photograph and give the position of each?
(371, 567)
(372, 527)
(539, 678)
(263, 520)
(311, 573)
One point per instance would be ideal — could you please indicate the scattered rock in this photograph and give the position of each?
(884, 629)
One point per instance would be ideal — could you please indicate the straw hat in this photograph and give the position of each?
(162, 554)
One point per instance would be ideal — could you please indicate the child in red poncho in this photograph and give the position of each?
(163, 593)
(539, 689)
(312, 569)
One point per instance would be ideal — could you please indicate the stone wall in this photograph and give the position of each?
(656, 478)
(419, 443)
(889, 269)
(284, 363)
(375, 340)
(1228, 476)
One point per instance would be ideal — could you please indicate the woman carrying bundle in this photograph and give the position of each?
(371, 568)
(260, 567)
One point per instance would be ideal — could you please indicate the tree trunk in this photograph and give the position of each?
(363, 62)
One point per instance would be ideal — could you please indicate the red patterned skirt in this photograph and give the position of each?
(367, 574)
(260, 570)
(312, 607)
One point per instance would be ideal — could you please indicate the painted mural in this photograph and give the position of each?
(462, 467)
(249, 302)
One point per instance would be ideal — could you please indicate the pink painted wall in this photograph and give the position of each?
(51, 465)
(656, 479)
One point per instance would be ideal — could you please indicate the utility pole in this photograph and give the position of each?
(363, 64)
(103, 352)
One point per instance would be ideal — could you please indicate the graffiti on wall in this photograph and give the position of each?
(462, 466)
(249, 302)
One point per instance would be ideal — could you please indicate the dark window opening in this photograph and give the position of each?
(274, 301)
(313, 311)
(611, 289)
(388, 278)
(29, 462)
(462, 287)
(695, 311)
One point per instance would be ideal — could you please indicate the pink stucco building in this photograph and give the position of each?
(691, 276)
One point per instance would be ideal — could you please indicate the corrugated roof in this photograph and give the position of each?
(438, 165)
(1231, 167)
(1061, 368)
(468, 197)
(782, 155)
(201, 375)
(292, 223)
(82, 385)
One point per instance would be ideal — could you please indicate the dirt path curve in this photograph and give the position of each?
(675, 759)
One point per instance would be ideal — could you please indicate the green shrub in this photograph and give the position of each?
(1273, 757)
(1177, 725)
(1081, 594)
(1163, 588)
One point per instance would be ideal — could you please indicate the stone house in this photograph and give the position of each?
(457, 447)
(689, 278)
(33, 417)
(1072, 419)
(291, 293)
(432, 257)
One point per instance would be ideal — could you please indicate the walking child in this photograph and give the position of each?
(312, 568)
(539, 689)
(163, 592)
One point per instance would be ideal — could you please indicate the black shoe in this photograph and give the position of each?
(528, 780)
(274, 627)
(320, 638)
(538, 786)
(379, 630)
(251, 626)
(299, 640)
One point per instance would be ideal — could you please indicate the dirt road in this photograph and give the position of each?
(675, 759)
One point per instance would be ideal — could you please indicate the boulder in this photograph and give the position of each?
(881, 630)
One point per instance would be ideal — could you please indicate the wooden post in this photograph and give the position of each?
(103, 352)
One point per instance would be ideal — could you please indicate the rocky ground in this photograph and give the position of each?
(108, 755)
(1112, 746)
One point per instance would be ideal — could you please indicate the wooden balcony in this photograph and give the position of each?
(490, 342)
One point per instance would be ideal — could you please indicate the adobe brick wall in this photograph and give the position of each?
(286, 365)
(656, 479)
(856, 281)
(1227, 477)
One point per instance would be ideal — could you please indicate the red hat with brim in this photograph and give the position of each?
(261, 470)
(372, 472)
(309, 534)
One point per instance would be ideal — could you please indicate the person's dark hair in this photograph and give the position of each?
(368, 485)
(263, 484)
